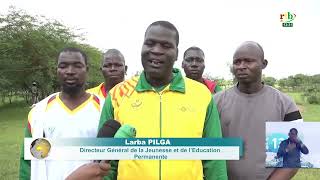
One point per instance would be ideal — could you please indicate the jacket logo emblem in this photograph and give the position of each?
(187, 109)
(50, 131)
(136, 104)
(183, 109)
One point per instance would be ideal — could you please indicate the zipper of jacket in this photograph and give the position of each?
(160, 94)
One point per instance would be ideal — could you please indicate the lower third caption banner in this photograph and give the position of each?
(133, 149)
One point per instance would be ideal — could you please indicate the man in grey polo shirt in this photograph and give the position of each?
(246, 107)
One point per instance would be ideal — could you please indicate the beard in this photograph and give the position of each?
(72, 90)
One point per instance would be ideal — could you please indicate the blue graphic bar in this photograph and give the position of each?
(149, 142)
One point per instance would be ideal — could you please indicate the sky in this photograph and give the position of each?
(217, 27)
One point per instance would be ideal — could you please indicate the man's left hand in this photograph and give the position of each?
(92, 171)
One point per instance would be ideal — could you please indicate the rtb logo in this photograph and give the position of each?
(287, 18)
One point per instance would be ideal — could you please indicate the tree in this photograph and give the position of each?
(282, 83)
(29, 48)
(271, 81)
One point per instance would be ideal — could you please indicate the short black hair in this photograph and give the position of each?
(294, 129)
(192, 48)
(167, 25)
(112, 51)
(73, 49)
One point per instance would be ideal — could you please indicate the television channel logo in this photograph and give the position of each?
(287, 19)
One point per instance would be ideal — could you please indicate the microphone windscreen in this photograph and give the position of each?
(126, 131)
(109, 128)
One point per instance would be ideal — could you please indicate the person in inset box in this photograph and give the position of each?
(290, 149)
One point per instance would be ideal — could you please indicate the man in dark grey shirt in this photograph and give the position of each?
(246, 107)
(290, 149)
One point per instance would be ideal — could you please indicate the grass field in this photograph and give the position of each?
(310, 112)
(13, 120)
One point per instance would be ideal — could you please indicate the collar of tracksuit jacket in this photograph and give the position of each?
(177, 83)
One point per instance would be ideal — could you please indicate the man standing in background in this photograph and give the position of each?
(245, 108)
(193, 66)
(113, 69)
(34, 93)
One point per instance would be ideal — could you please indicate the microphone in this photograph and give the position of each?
(126, 131)
(113, 128)
(109, 128)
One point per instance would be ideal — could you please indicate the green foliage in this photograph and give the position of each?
(28, 52)
(28, 45)
(312, 94)
(309, 85)
(314, 99)
(221, 81)
(271, 81)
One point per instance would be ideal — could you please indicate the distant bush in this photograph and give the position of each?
(314, 99)
(312, 95)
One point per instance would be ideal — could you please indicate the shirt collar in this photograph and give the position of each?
(177, 84)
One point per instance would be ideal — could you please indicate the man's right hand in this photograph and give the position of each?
(90, 171)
